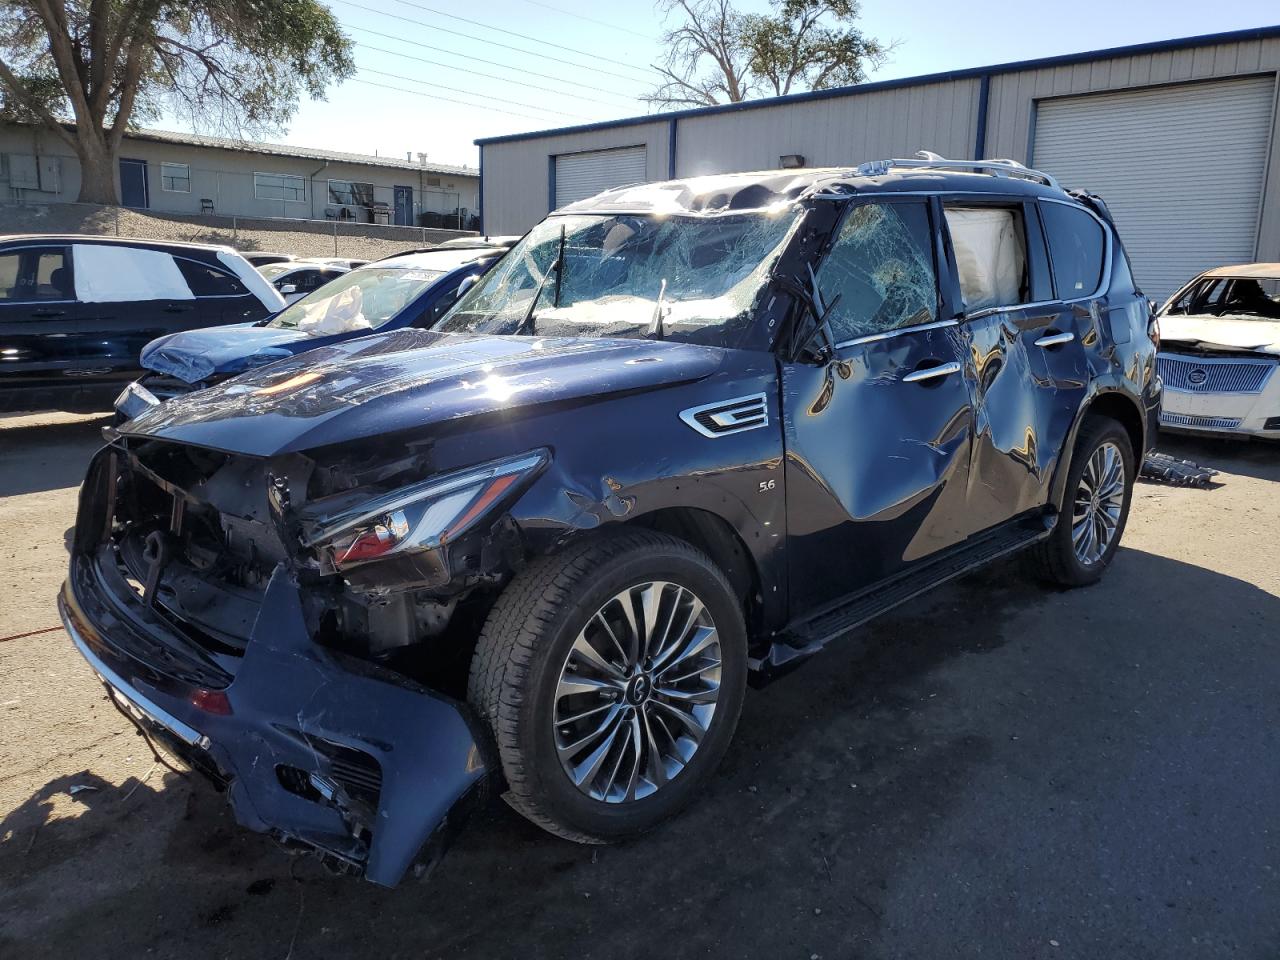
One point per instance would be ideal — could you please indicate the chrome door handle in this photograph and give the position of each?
(1055, 339)
(930, 373)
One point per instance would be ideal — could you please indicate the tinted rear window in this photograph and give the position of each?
(208, 281)
(1076, 246)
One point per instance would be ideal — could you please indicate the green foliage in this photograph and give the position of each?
(232, 66)
(717, 54)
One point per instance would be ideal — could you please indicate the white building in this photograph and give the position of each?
(185, 173)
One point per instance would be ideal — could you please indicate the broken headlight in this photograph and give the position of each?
(421, 516)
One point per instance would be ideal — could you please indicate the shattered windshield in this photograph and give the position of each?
(1239, 298)
(621, 273)
(363, 299)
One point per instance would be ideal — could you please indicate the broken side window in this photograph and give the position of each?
(881, 267)
(991, 255)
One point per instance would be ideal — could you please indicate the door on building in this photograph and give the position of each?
(582, 175)
(1181, 168)
(404, 206)
(133, 183)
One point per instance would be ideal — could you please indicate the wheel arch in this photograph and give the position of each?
(717, 538)
(1112, 404)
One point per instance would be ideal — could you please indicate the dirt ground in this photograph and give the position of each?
(996, 771)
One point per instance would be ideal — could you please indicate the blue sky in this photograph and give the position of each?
(593, 65)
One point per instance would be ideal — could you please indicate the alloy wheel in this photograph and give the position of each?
(1098, 503)
(637, 692)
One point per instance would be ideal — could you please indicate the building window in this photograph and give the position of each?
(175, 177)
(433, 181)
(351, 193)
(279, 186)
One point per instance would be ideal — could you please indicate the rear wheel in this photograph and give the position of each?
(612, 677)
(1095, 506)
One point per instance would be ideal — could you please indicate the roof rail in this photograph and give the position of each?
(927, 160)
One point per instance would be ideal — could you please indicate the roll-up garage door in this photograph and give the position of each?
(1181, 168)
(582, 175)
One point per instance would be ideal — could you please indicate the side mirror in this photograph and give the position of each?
(289, 288)
(467, 284)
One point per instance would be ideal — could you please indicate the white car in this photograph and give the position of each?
(297, 278)
(1220, 346)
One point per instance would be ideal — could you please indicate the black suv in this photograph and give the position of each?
(682, 434)
(76, 311)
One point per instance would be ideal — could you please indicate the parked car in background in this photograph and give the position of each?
(410, 290)
(76, 311)
(681, 433)
(1220, 346)
(347, 262)
(297, 278)
(260, 258)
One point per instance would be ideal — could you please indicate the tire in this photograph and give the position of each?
(533, 640)
(1058, 559)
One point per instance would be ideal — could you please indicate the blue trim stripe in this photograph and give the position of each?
(984, 100)
(1159, 46)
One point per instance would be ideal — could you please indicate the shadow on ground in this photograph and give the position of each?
(47, 456)
(998, 768)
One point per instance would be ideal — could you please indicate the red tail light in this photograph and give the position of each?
(212, 701)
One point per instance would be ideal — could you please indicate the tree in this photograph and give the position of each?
(234, 66)
(719, 55)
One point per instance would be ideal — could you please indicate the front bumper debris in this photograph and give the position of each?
(133, 400)
(312, 747)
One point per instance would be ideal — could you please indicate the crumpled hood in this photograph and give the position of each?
(411, 378)
(1228, 333)
(196, 355)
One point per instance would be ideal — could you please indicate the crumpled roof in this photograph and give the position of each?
(718, 193)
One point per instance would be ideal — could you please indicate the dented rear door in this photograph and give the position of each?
(877, 440)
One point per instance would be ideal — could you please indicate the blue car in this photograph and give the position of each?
(407, 290)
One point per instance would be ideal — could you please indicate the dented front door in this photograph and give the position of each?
(877, 441)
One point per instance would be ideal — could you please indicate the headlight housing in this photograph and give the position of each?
(422, 516)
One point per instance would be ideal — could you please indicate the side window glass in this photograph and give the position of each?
(1076, 246)
(990, 246)
(53, 276)
(208, 281)
(42, 273)
(10, 270)
(881, 268)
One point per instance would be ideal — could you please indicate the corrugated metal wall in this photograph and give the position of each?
(517, 174)
(846, 130)
(880, 123)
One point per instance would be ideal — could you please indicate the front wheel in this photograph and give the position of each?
(1095, 507)
(612, 676)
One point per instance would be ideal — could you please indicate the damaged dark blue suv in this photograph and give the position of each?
(683, 434)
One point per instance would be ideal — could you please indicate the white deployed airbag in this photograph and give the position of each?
(990, 256)
(106, 273)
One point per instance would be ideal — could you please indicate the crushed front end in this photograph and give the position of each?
(223, 614)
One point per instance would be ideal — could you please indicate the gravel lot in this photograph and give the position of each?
(996, 771)
(303, 238)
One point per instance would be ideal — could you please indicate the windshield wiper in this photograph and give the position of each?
(655, 325)
(526, 323)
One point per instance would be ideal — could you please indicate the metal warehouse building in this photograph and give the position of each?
(1179, 137)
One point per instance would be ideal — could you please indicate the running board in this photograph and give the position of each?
(808, 637)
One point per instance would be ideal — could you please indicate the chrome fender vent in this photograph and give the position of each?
(724, 417)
